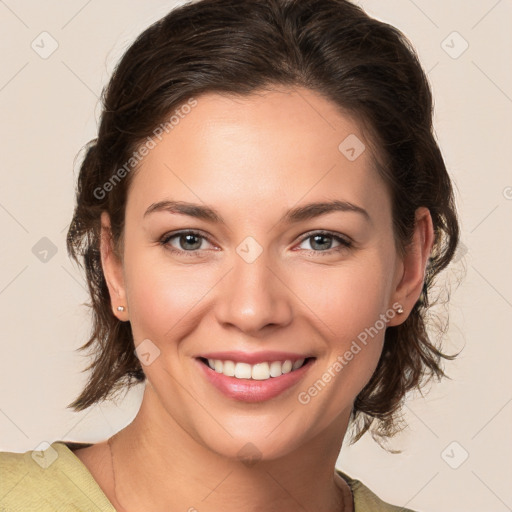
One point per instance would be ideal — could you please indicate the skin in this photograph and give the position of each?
(252, 159)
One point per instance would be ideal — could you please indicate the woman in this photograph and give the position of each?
(260, 218)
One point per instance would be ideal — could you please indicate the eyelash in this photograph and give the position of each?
(344, 243)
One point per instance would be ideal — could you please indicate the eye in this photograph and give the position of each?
(321, 242)
(189, 242)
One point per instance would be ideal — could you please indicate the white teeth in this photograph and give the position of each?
(298, 364)
(259, 371)
(218, 366)
(242, 371)
(275, 368)
(229, 368)
(287, 366)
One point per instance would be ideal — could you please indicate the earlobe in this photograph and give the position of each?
(415, 263)
(112, 270)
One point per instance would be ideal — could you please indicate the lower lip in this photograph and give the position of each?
(249, 390)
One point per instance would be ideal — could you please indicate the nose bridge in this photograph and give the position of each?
(252, 295)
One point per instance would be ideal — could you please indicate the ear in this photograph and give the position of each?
(112, 269)
(410, 281)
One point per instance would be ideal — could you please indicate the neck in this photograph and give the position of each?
(157, 465)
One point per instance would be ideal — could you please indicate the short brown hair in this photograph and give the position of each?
(366, 67)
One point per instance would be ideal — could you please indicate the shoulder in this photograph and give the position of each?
(367, 501)
(48, 480)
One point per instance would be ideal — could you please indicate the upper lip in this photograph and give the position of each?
(253, 357)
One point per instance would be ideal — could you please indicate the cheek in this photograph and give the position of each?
(163, 297)
(346, 305)
(346, 298)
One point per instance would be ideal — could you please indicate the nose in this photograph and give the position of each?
(254, 296)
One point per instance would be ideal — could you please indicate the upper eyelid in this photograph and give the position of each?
(326, 232)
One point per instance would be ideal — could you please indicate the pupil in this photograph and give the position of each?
(187, 238)
(315, 237)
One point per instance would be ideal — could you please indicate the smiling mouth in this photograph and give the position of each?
(259, 371)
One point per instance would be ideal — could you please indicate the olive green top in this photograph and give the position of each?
(55, 479)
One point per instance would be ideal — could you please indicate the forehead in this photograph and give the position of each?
(267, 148)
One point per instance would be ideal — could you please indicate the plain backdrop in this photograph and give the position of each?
(457, 449)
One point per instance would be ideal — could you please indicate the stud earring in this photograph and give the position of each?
(120, 308)
(400, 310)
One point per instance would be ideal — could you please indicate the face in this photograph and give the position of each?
(253, 274)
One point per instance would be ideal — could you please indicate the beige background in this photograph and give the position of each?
(49, 109)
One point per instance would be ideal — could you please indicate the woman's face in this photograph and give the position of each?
(258, 278)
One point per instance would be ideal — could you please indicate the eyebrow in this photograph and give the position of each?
(297, 214)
